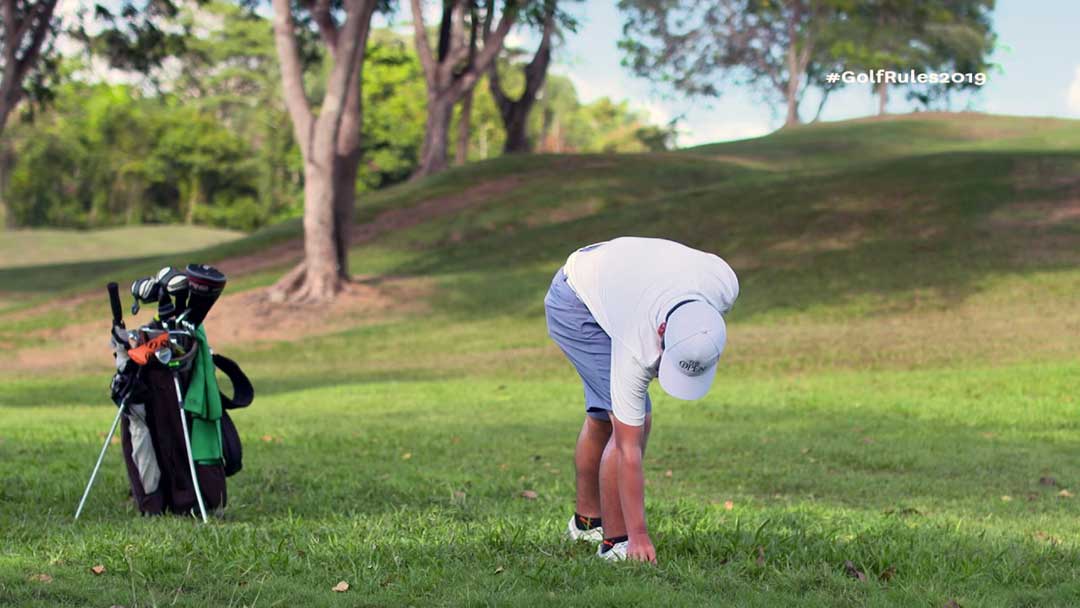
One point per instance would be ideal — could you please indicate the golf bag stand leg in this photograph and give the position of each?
(101, 456)
(187, 444)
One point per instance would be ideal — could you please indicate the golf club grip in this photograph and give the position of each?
(114, 301)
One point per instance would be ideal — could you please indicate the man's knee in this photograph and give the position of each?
(597, 429)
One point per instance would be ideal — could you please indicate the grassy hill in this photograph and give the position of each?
(901, 374)
(37, 247)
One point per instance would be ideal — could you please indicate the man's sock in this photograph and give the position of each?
(586, 523)
(611, 542)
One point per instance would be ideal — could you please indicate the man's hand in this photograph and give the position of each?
(629, 447)
(641, 549)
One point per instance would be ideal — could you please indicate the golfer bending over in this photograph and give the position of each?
(626, 311)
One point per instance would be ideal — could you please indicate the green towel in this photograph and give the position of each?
(203, 402)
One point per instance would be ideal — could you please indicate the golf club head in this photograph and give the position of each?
(205, 284)
(175, 284)
(144, 290)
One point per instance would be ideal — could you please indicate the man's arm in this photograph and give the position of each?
(630, 448)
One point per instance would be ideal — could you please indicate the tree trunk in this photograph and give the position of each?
(329, 144)
(320, 247)
(517, 136)
(452, 73)
(344, 210)
(433, 153)
(461, 155)
(347, 168)
(7, 161)
(791, 93)
(515, 113)
(883, 98)
(193, 200)
(821, 104)
(800, 47)
(792, 118)
(23, 37)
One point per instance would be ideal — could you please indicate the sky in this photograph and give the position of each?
(1038, 54)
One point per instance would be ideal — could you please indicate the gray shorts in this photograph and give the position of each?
(585, 343)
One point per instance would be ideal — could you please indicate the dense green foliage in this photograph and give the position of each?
(211, 143)
(893, 395)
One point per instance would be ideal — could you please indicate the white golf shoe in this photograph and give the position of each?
(592, 535)
(614, 553)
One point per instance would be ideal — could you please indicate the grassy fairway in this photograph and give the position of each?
(37, 247)
(899, 393)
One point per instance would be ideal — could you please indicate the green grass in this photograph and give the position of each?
(901, 374)
(46, 246)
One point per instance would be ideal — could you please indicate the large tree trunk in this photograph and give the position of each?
(517, 133)
(433, 153)
(347, 168)
(461, 155)
(883, 98)
(344, 209)
(330, 144)
(321, 275)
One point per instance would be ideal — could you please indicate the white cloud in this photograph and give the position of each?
(699, 132)
(1073, 96)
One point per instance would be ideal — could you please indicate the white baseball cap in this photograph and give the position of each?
(693, 341)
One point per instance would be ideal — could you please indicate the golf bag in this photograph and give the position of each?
(179, 443)
(152, 439)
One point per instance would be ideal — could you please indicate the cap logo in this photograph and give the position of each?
(692, 368)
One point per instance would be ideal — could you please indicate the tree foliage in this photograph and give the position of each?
(921, 35)
(697, 46)
(211, 142)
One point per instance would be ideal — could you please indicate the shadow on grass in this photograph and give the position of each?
(57, 279)
(83, 390)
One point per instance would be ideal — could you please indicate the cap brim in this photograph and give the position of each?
(681, 386)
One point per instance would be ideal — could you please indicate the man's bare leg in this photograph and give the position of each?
(590, 447)
(611, 508)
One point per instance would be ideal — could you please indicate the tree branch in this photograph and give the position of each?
(423, 45)
(492, 45)
(292, 75)
(456, 51)
(37, 24)
(320, 12)
(474, 30)
(536, 71)
(354, 36)
(39, 33)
